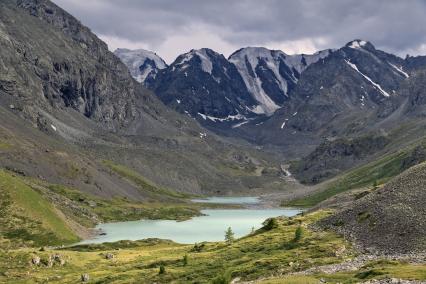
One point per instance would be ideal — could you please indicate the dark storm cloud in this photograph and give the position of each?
(396, 26)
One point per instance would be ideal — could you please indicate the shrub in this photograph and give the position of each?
(270, 224)
(368, 274)
(198, 247)
(162, 269)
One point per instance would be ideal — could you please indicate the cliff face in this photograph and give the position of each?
(49, 60)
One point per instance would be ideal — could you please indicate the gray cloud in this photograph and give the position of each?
(173, 27)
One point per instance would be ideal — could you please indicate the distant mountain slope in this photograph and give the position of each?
(220, 92)
(355, 90)
(344, 83)
(332, 157)
(302, 93)
(391, 219)
(204, 85)
(270, 75)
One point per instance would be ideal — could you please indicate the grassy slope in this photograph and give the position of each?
(27, 217)
(379, 171)
(120, 209)
(145, 185)
(263, 254)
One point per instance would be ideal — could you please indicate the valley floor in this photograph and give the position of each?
(273, 254)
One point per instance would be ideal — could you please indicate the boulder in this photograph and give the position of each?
(57, 258)
(109, 256)
(85, 277)
(35, 260)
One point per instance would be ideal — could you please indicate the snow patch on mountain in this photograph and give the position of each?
(181, 63)
(247, 60)
(357, 44)
(140, 62)
(399, 69)
(222, 119)
(240, 124)
(377, 86)
(206, 63)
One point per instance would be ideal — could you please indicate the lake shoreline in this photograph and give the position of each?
(250, 213)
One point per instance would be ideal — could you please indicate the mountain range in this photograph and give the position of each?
(203, 83)
(294, 104)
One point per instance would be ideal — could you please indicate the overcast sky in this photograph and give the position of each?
(172, 27)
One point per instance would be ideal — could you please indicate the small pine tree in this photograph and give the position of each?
(162, 269)
(224, 278)
(198, 247)
(229, 235)
(185, 260)
(298, 234)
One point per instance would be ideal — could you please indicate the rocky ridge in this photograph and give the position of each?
(388, 220)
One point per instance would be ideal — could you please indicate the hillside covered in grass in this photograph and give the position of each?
(34, 212)
(26, 218)
(374, 173)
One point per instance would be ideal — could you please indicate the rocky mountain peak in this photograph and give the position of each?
(270, 75)
(62, 20)
(361, 45)
(357, 43)
(204, 85)
(205, 57)
(143, 64)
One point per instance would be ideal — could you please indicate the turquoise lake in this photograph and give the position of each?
(210, 227)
